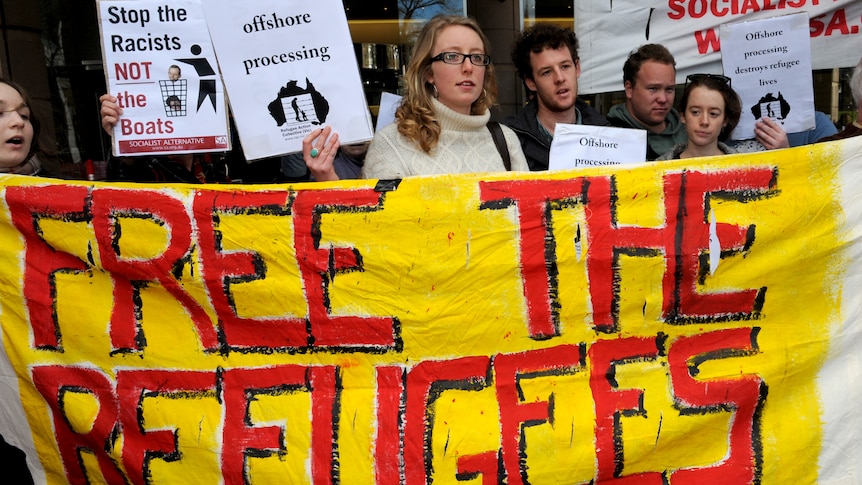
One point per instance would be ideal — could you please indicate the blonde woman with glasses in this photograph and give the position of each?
(441, 126)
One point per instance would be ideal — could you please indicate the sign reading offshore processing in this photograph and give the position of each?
(289, 67)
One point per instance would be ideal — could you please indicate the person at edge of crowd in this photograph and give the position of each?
(18, 154)
(649, 80)
(854, 128)
(350, 159)
(710, 111)
(546, 59)
(185, 168)
(441, 126)
(347, 164)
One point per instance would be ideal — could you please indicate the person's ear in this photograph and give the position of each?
(531, 84)
(629, 87)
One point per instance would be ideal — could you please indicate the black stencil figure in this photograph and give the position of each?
(203, 68)
(769, 103)
(298, 111)
(291, 97)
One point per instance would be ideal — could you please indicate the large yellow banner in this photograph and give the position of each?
(664, 323)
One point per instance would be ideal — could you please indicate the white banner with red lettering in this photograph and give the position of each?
(608, 31)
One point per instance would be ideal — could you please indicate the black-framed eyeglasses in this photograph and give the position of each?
(694, 78)
(458, 58)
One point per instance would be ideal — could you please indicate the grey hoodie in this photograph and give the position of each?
(657, 143)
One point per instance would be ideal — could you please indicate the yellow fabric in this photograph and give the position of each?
(606, 367)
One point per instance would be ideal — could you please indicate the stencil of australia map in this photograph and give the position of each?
(298, 106)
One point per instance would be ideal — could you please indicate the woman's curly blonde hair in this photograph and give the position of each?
(415, 116)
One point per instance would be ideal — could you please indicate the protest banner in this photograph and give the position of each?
(289, 67)
(609, 31)
(579, 146)
(161, 67)
(691, 321)
(769, 62)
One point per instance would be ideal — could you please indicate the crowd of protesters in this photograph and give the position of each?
(443, 122)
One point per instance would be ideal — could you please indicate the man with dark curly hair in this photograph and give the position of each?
(546, 59)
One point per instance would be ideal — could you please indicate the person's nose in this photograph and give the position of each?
(14, 119)
(467, 65)
(558, 76)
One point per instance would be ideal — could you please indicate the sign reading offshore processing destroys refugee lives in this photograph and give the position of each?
(769, 62)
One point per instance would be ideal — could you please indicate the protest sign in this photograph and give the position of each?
(609, 31)
(579, 146)
(769, 62)
(161, 67)
(386, 114)
(289, 67)
(690, 321)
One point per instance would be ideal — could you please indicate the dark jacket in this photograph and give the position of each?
(853, 129)
(205, 170)
(534, 143)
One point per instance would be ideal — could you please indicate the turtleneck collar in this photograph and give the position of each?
(450, 119)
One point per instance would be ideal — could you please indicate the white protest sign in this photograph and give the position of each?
(161, 67)
(386, 114)
(769, 62)
(579, 146)
(609, 31)
(289, 68)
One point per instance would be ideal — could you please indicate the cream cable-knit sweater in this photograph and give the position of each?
(465, 145)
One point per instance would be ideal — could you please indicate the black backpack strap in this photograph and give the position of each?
(500, 141)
